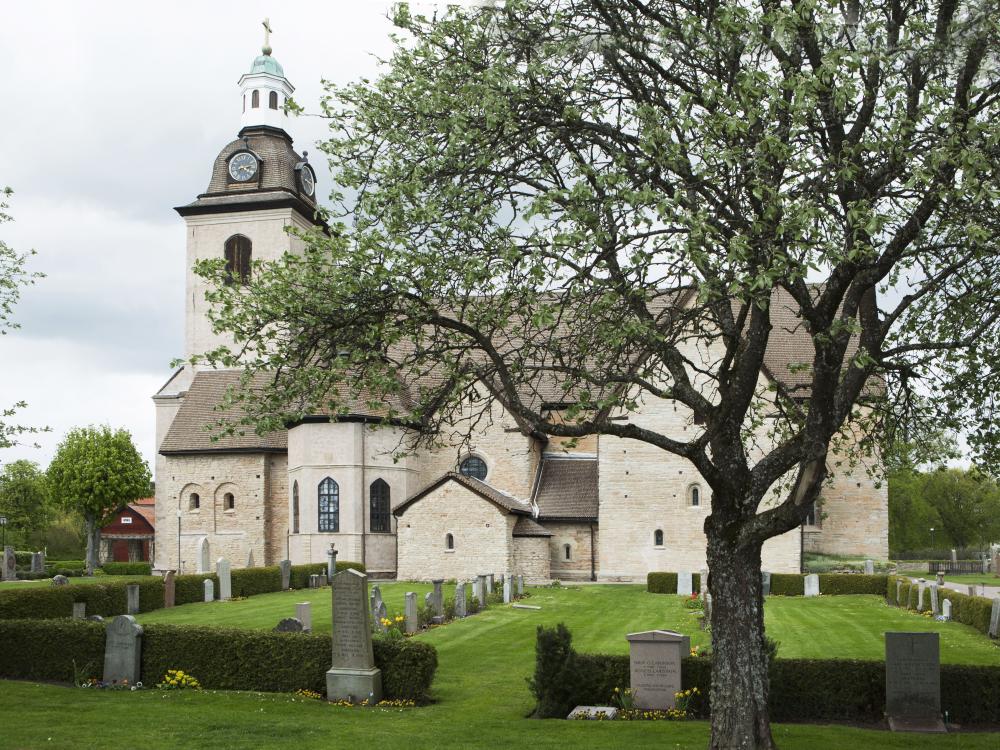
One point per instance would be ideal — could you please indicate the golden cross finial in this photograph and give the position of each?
(266, 49)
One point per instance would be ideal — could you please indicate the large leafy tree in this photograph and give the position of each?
(24, 499)
(967, 504)
(593, 202)
(95, 471)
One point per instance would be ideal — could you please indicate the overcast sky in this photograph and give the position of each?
(113, 115)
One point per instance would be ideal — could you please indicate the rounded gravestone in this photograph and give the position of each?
(289, 625)
(59, 580)
(95, 618)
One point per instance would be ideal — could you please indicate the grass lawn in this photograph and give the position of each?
(481, 695)
(84, 580)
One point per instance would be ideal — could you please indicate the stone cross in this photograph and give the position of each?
(460, 608)
(79, 610)
(520, 585)
(286, 574)
(946, 609)
(289, 625)
(303, 613)
(123, 650)
(869, 567)
(209, 590)
(331, 562)
(655, 667)
(765, 583)
(994, 630)
(169, 589)
(223, 570)
(913, 681)
(685, 585)
(352, 676)
(811, 585)
(438, 598)
(266, 49)
(132, 598)
(9, 564)
(507, 589)
(412, 619)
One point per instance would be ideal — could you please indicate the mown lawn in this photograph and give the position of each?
(83, 580)
(482, 698)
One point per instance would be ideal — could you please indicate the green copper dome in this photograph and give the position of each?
(267, 64)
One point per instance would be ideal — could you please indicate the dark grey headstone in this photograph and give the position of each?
(994, 630)
(289, 625)
(132, 598)
(412, 619)
(286, 574)
(123, 650)
(353, 675)
(913, 681)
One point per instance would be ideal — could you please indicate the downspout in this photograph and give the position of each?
(364, 485)
(593, 556)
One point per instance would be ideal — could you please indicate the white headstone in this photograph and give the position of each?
(222, 569)
(123, 650)
(209, 590)
(286, 574)
(685, 584)
(353, 675)
(869, 567)
(303, 613)
(946, 609)
(508, 593)
(994, 630)
(204, 556)
(412, 618)
(811, 584)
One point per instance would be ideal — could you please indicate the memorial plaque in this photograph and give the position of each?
(123, 650)
(169, 589)
(352, 675)
(655, 667)
(303, 613)
(223, 571)
(685, 584)
(286, 574)
(913, 682)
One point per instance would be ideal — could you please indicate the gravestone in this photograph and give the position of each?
(971, 590)
(313, 580)
(250, 562)
(520, 585)
(209, 590)
(655, 667)
(940, 578)
(685, 585)
(508, 591)
(935, 609)
(324, 580)
(412, 619)
(954, 555)
(122, 650)
(95, 618)
(703, 581)
(921, 587)
(79, 610)
(489, 583)
(480, 587)
(994, 630)
(37, 562)
(811, 584)
(913, 682)
(303, 613)
(331, 562)
(946, 609)
(429, 601)
(286, 574)
(169, 589)
(708, 609)
(380, 615)
(289, 625)
(765, 582)
(223, 571)
(9, 564)
(353, 675)
(593, 713)
(204, 556)
(869, 567)
(460, 608)
(438, 597)
(132, 598)
(60, 580)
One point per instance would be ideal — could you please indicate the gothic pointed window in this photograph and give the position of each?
(295, 507)
(255, 99)
(379, 506)
(272, 100)
(238, 253)
(329, 506)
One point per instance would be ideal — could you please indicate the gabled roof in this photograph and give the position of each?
(501, 499)
(567, 488)
(145, 507)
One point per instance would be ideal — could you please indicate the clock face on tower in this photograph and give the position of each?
(307, 180)
(243, 166)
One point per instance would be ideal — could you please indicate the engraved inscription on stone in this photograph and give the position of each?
(352, 645)
(912, 675)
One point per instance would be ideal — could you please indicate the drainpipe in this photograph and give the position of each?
(593, 556)
(364, 486)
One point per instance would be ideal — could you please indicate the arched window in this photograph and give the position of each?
(566, 551)
(272, 100)
(229, 501)
(449, 541)
(658, 538)
(244, 102)
(238, 251)
(295, 507)
(813, 515)
(379, 506)
(255, 99)
(474, 467)
(694, 495)
(329, 506)
(194, 501)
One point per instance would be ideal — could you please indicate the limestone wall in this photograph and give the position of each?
(531, 558)
(577, 536)
(854, 516)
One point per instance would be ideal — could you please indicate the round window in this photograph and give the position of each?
(473, 466)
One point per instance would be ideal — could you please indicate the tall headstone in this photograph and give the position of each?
(913, 682)
(303, 613)
(79, 610)
(508, 589)
(204, 556)
(935, 609)
(380, 616)
(209, 590)
(994, 630)
(480, 587)
(765, 582)
(899, 591)
(685, 585)
(169, 589)
(37, 562)
(132, 598)
(921, 588)
(954, 555)
(352, 675)
(222, 569)
(250, 562)
(489, 583)
(331, 562)
(9, 564)
(869, 567)
(286, 574)
(946, 609)
(655, 667)
(520, 585)
(123, 650)
(412, 619)
(438, 597)
(708, 609)
(314, 580)
(811, 584)
(940, 578)
(703, 581)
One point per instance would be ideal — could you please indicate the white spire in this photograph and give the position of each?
(265, 89)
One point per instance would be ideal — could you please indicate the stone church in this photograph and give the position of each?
(602, 509)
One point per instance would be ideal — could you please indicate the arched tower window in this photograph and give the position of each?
(329, 506)
(474, 467)
(194, 501)
(295, 507)
(658, 538)
(694, 495)
(272, 100)
(229, 501)
(238, 251)
(379, 506)
(449, 541)
(255, 99)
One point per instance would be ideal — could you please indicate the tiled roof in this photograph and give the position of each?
(277, 162)
(527, 526)
(145, 507)
(505, 501)
(567, 488)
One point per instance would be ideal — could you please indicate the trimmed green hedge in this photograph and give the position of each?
(220, 658)
(105, 599)
(127, 568)
(191, 587)
(300, 573)
(801, 689)
(968, 610)
(786, 584)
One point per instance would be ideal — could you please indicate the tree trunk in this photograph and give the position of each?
(93, 534)
(739, 663)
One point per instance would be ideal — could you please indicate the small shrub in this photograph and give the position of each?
(190, 588)
(253, 581)
(661, 583)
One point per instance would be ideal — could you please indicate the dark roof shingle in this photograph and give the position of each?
(567, 488)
